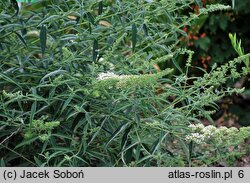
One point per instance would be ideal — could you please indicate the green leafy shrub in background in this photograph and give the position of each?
(208, 35)
(81, 84)
(208, 38)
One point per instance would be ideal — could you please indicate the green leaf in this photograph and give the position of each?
(247, 91)
(38, 162)
(90, 28)
(233, 4)
(49, 19)
(145, 29)
(26, 142)
(91, 18)
(183, 33)
(9, 79)
(88, 118)
(33, 111)
(98, 131)
(177, 65)
(95, 50)
(185, 148)
(209, 118)
(21, 39)
(237, 47)
(125, 136)
(157, 143)
(27, 1)
(190, 149)
(138, 151)
(2, 164)
(148, 157)
(134, 37)
(53, 73)
(169, 16)
(43, 38)
(66, 103)
(117, 132)
(100, 8)
(61, 136)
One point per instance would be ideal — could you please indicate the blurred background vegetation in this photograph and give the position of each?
(208, 37)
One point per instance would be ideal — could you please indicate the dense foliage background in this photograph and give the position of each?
(117, 83)
(209, 39)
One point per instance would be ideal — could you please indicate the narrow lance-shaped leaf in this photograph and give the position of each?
(138, 150)
(157, 143)
(119, 130)
(125, 136)
(33, 107)
(190, 148)
(183, 33)
(134, 37)
(98, 131)
(22, 39)
(53, 73)
(28, 1)
(100, 9)
(237, 47)
(144, 26)
(90, 29)
(95, 50)
(9, 79)
(26, 141)
(2, 164)
(169, 16)
(177, 65)
(38, 162)
(43, 38)
(66, 103)
(90, 18)
(233, 4)
(49, 19)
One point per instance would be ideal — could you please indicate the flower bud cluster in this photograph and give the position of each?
(201, 134)
(111, 75)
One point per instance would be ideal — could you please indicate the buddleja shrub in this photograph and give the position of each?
(81, 84)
